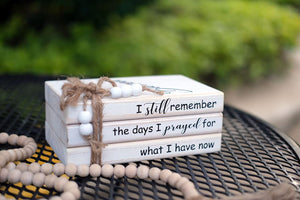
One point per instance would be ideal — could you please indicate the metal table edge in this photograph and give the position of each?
(293, 144)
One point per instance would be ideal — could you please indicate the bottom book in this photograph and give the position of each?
(137, 150)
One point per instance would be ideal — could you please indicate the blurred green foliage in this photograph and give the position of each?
(294, 3)
(218, 42)
(39, 14)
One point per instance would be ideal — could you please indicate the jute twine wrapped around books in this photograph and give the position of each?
(71, 92)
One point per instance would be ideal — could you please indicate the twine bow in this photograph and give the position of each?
(71, 92)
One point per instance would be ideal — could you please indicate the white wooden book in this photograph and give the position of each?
(141, 129)
(183, 96)
(138, 150)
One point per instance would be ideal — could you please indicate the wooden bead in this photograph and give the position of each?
(154, 173)
(29, 151)
(67, 196)
(56, 198)
(14, 176)
(70, 170)
(60, 183)
(95, 170)
(191, 194)
(83, 170)
(22, 167)
(116, 92)
(59, 169)
(142, 172)
(34, 167)
(3, 138)
(29, 140)
(126, 91)
(12, 154)
(3, 175)
(3, 153)
(84, 117)
(32, 145)
(12, 139)
(10, 166)
(107, 170)
(21, 139)
(50, 180)
(130, 171)
(164, 175)
(137, 89)
(76, 192)
(21, 154)
(188, 190)
(2, 197)
(70, 185)
(181, 182)
(24, 154)
(3, 161)
(119, 171)
(86, 129)
(46, 168)
(26, 178)
(173, 179)
(38, 179)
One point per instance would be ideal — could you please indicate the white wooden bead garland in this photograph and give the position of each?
(85, 117)
(85, 128)
(48, 174)
(126, 91)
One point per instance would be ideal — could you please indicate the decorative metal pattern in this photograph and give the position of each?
(254, 156)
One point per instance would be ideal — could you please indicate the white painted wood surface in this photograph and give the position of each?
(137, 151)
(135, 130)
(183, 96)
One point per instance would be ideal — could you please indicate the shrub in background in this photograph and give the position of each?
(38, 14)
(294, 3)
(220, 42)
(223, 42)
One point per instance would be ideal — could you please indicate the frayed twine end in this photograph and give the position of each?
(283, 191)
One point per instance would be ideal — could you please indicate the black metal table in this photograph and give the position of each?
(253, 157)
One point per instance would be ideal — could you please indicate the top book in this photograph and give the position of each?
(182, 96)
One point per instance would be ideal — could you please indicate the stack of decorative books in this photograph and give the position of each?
(185, 120)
